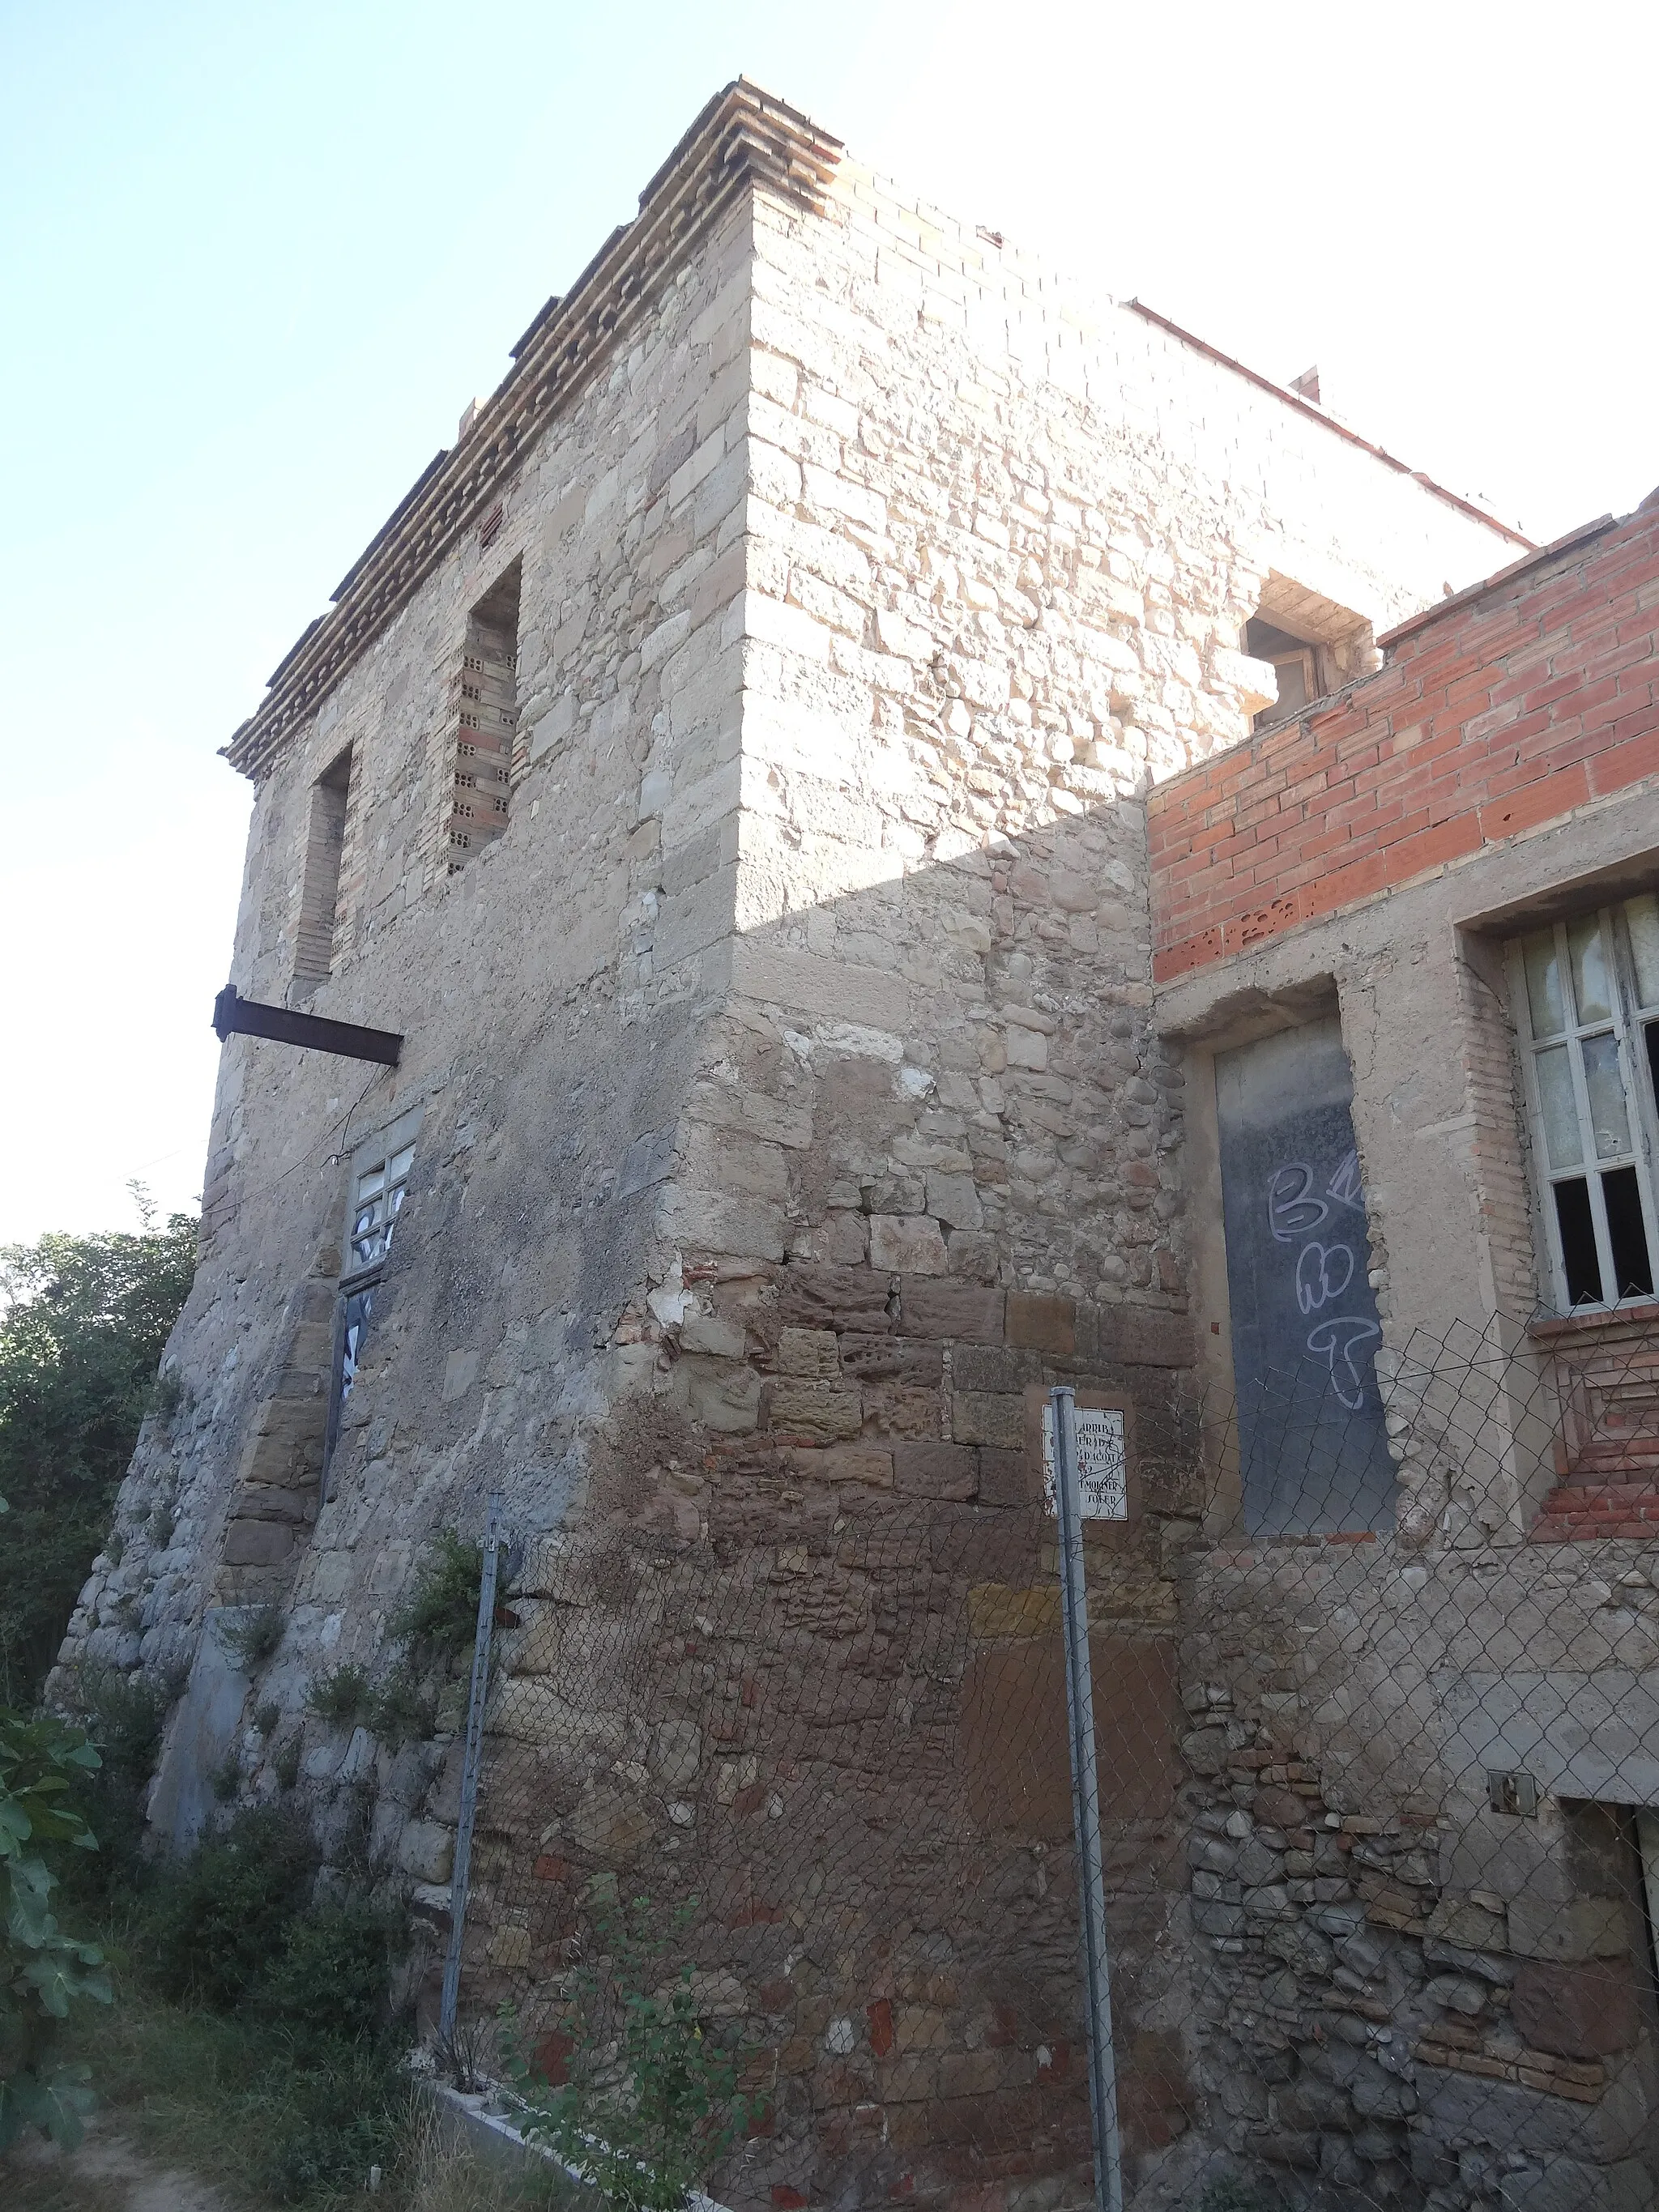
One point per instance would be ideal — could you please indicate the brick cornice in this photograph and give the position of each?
(743, 140)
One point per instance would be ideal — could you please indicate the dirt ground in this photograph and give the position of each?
(108, 2173)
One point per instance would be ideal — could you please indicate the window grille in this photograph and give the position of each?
(1586, 997)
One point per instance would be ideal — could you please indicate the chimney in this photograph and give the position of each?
(1306, 387)
(474, 408)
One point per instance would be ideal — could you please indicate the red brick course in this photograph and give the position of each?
(1521, 702)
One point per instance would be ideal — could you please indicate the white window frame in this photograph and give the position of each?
(1627, 1023)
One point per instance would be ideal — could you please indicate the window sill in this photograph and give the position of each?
(1587, 1324)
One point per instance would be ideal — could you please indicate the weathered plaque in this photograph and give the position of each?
(1103, 1462)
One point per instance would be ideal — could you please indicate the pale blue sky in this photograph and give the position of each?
(254, 262)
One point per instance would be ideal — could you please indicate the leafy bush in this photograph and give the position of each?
(328, 2111)
(124, 1717)
(254, 1638)
(42, 1970)
(442, 1609)
(84, 1320)
(331, 1974)
(286, 1764)
(342, 1695)
(649, 2103)
(215, 1920)
(398, 1714)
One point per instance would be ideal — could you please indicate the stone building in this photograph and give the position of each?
(787, 775)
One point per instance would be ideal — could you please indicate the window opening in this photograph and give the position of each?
(319, 894)
(1293, 663)
(379, 1182)
(1586, 994)
(486, 719)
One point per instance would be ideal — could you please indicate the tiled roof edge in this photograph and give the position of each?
(744, 139)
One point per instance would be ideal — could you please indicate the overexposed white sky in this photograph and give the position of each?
(256, 261)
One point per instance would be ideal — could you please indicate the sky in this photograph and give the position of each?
(255, 261)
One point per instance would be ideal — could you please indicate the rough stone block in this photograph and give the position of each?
(894, 1409)
(993, 1367)
(1005, 1476)
(809, 1353)
(950, 1308)
(718, 1396)
(813, 1296)
(1043, 1323)
(973, 1256)
(609, 1826)
(983, 1417)
(1141, 1336)
(1577, 2011)
(712, 1334)
(817, 1410)
(907, 1243)
(427, 1851)
(865, 1463)
(935, 1470)
(892, 1359)
(257, 1544)
(955, 1199)
(675, 1753)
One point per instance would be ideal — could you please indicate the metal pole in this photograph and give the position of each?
(470, 1760)
(1085, 1806)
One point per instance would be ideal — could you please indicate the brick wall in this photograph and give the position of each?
(1505, 709)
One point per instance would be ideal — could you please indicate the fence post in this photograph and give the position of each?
(470, 1760)
(1085, 1806)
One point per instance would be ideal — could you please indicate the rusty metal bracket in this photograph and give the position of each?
(234, 1015)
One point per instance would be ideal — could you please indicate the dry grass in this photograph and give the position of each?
(445, 2175)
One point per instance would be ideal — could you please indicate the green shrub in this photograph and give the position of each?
(332, 1973)
(442, 1609)
(328, 2111)
(341, 1696)
(254, 1638)
(84, 1320)
(215, 1920)
(124, 1717)
(42, 1970)
(226, 1778)
(397, 1714)
(651, 2103)
(285, 1765)
(265, 1718)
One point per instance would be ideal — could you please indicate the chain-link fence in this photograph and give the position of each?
(1373, 1787)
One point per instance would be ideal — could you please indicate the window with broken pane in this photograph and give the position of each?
(1586, 993)
(379, 1176)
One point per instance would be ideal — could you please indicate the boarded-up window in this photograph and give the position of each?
(1313, 1450)
(320, 891)
(486, 717)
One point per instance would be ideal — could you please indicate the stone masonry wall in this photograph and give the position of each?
(786, 1068)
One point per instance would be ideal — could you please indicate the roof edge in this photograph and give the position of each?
(1318, 414)
(1471, 592)
(744, 139)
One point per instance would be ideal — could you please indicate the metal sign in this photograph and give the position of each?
(1103, 1462)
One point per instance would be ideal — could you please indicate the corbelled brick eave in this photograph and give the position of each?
(744, 140)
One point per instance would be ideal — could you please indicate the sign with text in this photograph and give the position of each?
(1103, 1462)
